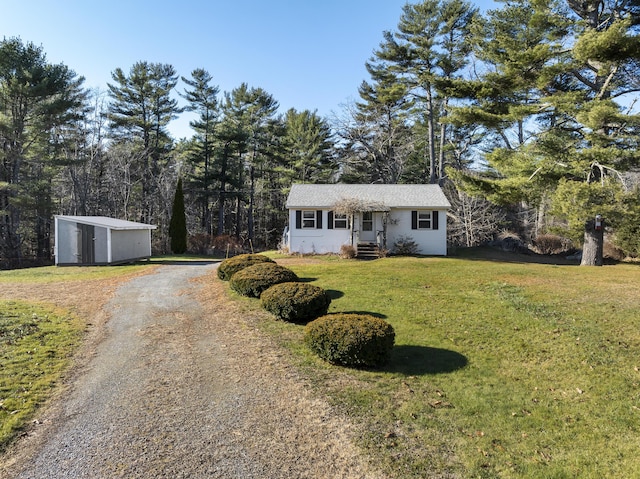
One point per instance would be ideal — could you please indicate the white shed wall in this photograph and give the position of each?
(130, 244)
(101, 246)
(66, 247)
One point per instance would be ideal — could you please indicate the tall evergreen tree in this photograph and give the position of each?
(178, 224)
(429, 49)
(253, 111)
(203, 100)
(141, 108)
(307, 148)
(35, 98)
(559, 114)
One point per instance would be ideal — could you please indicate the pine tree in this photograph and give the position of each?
(203, 100)
(178, 224)
(36, 99)
(556, 115)
(426, 54)
(141, 108)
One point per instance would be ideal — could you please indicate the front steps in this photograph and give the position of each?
(367, 251)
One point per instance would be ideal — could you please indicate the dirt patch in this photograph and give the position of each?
(183, 384)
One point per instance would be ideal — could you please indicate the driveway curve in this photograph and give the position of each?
(183, 386)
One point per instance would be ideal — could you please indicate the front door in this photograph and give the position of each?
(368, 227)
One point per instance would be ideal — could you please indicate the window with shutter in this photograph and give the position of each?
(308, 219)
(424, 220)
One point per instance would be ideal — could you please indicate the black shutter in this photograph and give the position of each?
(319, 219)
(298, 219)
(414, 220)
(434, 220)
(330, 220)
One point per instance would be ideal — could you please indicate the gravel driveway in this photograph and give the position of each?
(182, 386)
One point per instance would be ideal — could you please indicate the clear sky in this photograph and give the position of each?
(308, 54)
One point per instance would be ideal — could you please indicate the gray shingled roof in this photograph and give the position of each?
(104, 221)
(392, 196)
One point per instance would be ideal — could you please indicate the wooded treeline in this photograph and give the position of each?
(525, 114)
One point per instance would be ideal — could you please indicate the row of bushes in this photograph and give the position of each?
(347, 339)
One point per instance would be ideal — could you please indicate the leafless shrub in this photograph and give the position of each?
(347, 251)
(199, 243)
(227, 244)
(611, 251)
(472, 221)
(551, 244)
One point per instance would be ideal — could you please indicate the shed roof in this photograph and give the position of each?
(106, 222)
(391, 196)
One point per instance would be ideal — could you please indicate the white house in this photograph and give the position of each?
(323, 218)
(98, 240)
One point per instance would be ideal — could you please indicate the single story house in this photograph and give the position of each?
(99, 240)
(323, 218)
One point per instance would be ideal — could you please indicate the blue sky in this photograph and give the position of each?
(307, 54)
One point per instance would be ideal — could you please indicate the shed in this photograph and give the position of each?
(99, 240)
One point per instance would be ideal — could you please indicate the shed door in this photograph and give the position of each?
(87, 244)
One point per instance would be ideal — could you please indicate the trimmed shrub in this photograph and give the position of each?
(296, 302)
(351, 339)
(253, 280)
(230, 266)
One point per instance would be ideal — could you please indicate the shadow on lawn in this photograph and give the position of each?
(418, 360)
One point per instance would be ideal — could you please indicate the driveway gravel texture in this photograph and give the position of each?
(181, 384)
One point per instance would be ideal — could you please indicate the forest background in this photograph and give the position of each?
(526, 115)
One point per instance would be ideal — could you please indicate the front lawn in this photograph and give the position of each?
(36, 344)
(43, 315)
(501, 369)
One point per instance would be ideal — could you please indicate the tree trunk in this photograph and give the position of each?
(592, 251)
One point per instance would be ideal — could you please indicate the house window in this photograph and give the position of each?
(308, 219)
(340, 221)
(424, 220)
(367, 221)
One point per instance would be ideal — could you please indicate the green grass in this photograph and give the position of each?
(52, 274)
(36, 343)
(501, 369)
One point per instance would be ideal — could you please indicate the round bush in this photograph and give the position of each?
(253, 280)
(296, 302)
(358, 340)
(230, 266)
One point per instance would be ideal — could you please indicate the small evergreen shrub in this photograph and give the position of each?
(350, 339)
(230, 266)
(295, 302)
(253, 280)
(405, 246)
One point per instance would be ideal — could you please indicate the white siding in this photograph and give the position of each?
(325, 240)
(316, 240)
(130, 244)
(100, 245)
(66, 246)
(430, 242)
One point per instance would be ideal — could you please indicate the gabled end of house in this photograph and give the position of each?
(371, 218)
